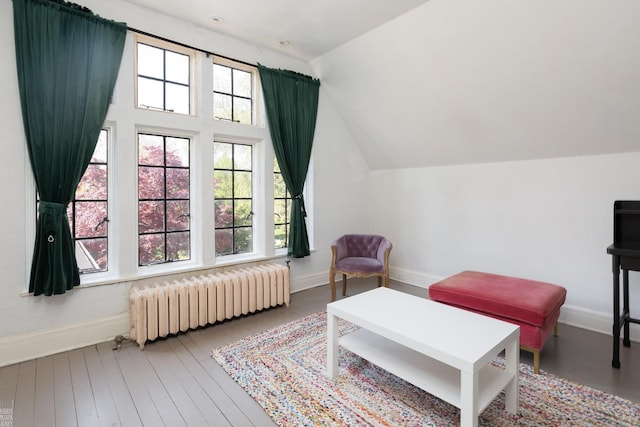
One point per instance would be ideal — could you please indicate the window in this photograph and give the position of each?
(233, 93)
(163, 199)
(88, 212)
(233, 188)
(163, 79)
(281, 208)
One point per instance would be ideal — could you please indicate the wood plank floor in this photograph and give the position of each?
(175, 382)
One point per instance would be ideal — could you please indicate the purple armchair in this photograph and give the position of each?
(359, 255)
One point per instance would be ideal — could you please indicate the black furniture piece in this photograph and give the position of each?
(625, 251)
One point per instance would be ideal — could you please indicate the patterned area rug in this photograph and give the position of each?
(283, 369)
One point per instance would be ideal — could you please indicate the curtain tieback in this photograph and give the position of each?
(51, 213)
(301, 200)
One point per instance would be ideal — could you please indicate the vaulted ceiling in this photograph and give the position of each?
(439, 82)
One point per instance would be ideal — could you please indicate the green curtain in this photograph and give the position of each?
(67, 60)
(291, 101)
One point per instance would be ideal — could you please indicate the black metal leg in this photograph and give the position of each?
(625, 308)
(616, 312)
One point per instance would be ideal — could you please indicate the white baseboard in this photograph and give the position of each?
(15, 349)
(593, 321)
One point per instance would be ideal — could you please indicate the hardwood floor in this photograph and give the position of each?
(175, 382)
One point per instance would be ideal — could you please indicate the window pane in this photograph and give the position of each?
(178, 246)
(100, 152)
(150, 150)
(151, 249)
(177, 152)
(150, 217)
(91, 255)
(242, 157)
(90, 219)
(242, 185)
(224, 242)
(280, 236)
(93, 185)
(150, 61)
(177, 98)
(177, 215)
(279, 187)
(242, 110)
(150, 94)
(242, 83)
(223, 213)
(177, 183)
(280, 212)
(221, 78)
(168, 211)
(222, 184)
(177, 67)
(243, 215)
(222, 106)
(222, 155)
(233, 197)
(243, 240)
(150, 182)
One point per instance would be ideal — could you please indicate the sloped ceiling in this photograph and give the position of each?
(456, 82)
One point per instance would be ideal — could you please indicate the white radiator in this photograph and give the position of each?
(177, 306)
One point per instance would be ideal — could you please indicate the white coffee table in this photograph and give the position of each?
(441, 349)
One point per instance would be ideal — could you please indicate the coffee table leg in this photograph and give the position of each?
(512, 366)
(469, 399)
(332, 346)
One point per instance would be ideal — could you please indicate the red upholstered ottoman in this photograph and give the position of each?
(534, 306)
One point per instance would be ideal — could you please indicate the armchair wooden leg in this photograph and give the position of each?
(332, 284)
(379, 281)
(344, 285)
(555, 330)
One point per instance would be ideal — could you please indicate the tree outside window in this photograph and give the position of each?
(233, 187)
(163, 199)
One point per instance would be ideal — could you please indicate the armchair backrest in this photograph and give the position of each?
(361, 245)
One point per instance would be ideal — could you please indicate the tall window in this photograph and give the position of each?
(163, 199)
(233, 93)
(233, 185)
(88, 212)
(281, 208)
(163, 79)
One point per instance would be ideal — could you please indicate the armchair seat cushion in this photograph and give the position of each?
(360, 264)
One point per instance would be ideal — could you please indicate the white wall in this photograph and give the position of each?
(33, 326)
(548, 220)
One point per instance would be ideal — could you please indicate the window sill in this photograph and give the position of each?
(154, 271)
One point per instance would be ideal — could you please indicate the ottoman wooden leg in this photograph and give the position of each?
(536, 361)
(536, 358)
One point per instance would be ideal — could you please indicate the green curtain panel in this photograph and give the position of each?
(291, 101)
(67, 60)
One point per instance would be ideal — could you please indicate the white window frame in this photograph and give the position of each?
(160, 44)
(255, 90)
